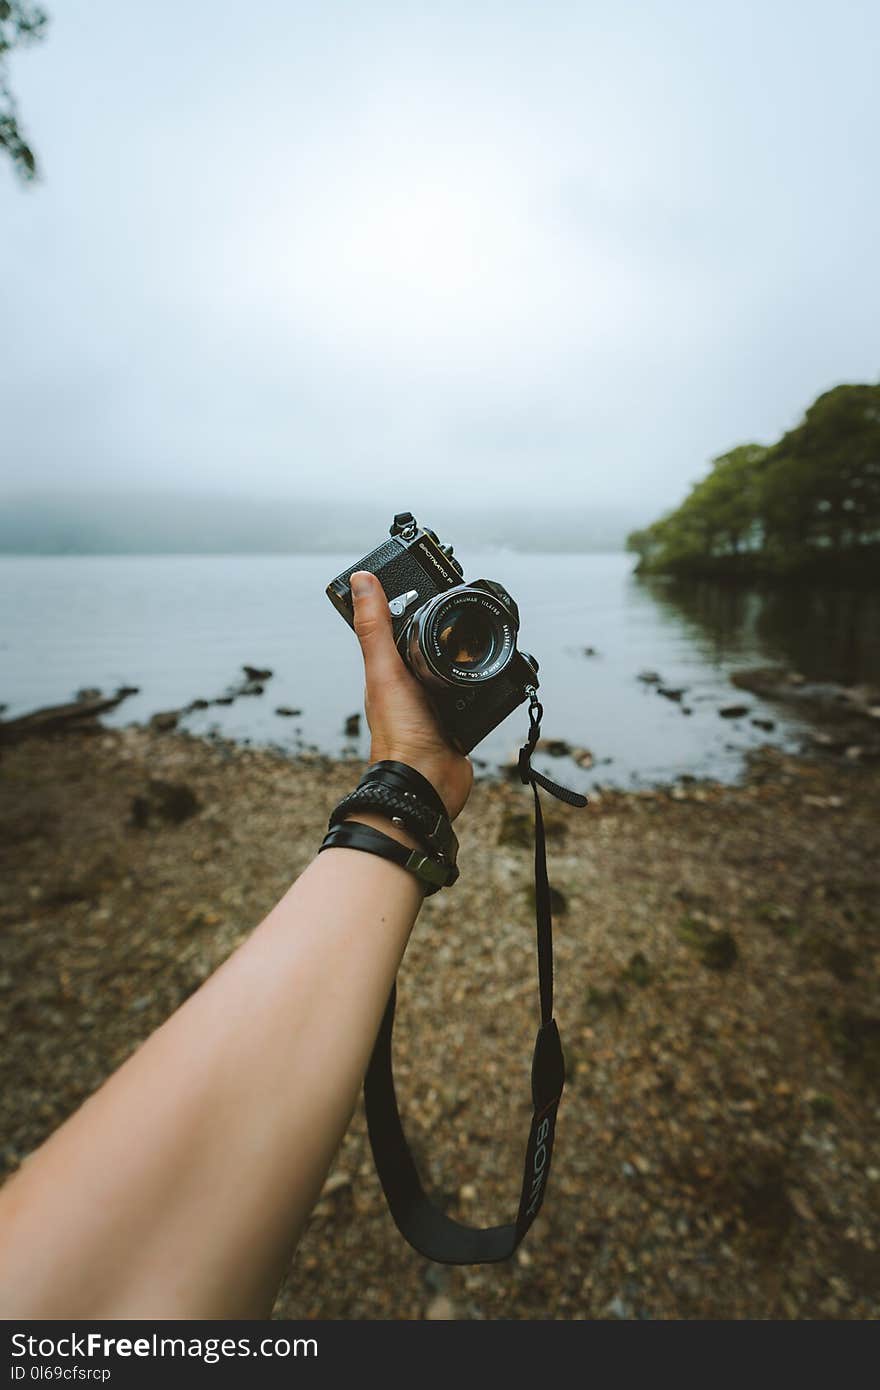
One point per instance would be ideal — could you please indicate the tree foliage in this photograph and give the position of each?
(20, 22)
(808, 504)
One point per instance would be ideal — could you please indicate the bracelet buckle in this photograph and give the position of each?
(427, 869)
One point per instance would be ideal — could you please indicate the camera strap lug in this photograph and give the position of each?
(405, 525)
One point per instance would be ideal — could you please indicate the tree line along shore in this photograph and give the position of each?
(807, 507)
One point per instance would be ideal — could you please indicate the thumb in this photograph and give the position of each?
(372, 623)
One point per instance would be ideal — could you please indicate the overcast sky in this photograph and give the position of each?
(479, 247)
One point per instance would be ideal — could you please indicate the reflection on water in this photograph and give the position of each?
(826, 634)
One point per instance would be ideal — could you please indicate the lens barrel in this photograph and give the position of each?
(463, 637)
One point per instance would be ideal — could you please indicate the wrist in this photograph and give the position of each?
(396, 813)
(450, 779)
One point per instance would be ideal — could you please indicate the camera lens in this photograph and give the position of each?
(467, 637)
(462, 637)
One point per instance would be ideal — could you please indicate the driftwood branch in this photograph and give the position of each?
(58, 717)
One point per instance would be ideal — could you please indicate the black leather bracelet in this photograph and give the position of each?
(432, 830)
(405, 778)
(431, 875)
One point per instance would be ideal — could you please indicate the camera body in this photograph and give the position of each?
(459, 639)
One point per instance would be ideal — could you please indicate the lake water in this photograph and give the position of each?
(180, 627)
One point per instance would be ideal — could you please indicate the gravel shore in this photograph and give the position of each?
(718, 955)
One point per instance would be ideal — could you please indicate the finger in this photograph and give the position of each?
(372, 623)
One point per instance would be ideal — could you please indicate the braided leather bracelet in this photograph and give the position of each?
(433, 831)
(398, 791)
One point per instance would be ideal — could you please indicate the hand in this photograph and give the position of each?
(402, 724)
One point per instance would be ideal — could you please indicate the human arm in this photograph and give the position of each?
(181, 1187)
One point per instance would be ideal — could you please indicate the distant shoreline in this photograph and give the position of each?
(163, 523)
(489, 548)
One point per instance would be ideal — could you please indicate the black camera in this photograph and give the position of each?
(459, 639)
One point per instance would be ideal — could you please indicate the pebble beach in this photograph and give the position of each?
(717, 961)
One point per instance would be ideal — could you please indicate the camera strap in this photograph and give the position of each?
(426, 1226)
